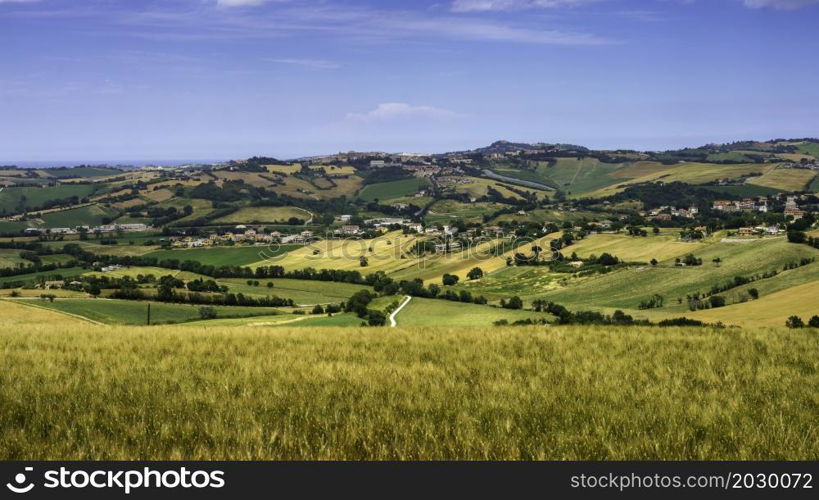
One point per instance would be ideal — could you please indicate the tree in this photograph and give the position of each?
(269, 284)
(795, 322)
(796, 236)
(754, 293)
(449, 279)
(93, 289)
(513, 303)
(814, 322)
(207, 312)
(607, 259)
(475, 274)
(363, 262)
(317, 309)
(654, 262)
(717, 301)
(376, 318)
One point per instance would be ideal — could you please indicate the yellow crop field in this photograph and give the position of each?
(159, 194)
(383, 254)
(771, 310)
(787, 179)
(283, 169)
(264, 214)
(14, 313)
(691, 173)
(83, 391)
(633, 249)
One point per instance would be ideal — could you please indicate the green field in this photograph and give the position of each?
(91, 215)
(305, 292)
(31, 278)
(383, 191)
(11, 258)
(14, 198)
(436, 312)
(626, 288)
(127, 312)
(87, 392)
(225, 256)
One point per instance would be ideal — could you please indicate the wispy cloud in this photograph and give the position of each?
(18, 1)
(178, 21)
(393, 111)
(780, 4)
(494, 5)
(320, 64)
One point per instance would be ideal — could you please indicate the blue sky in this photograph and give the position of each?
(90, 80)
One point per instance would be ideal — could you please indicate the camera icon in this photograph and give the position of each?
(20, 479)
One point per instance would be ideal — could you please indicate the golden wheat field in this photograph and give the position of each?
(72, 390)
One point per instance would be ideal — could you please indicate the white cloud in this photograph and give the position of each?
(18, 1)
(392, 111)
(307, 63)
(487, 5)
(780, 4)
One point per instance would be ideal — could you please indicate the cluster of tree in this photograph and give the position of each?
(689, 260)
(653, 302)
(167, 293)
(358, 303)
(797, 322)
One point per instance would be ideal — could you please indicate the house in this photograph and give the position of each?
(723, 205)
(349, 230)
(747, 231)
(452, 246)
(415, 226)
(52, 285)
(795, 213)
(377, 163)
(344, 218)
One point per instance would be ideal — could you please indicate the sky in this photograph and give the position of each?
(134, 80)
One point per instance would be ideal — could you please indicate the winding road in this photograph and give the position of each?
(398, 310)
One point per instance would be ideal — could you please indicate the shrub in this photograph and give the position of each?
(207, 312)
(795, 322)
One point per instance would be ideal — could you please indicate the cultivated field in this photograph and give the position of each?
(264, 214)
(71, 390)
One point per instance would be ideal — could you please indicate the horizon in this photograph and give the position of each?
(184, 161)
(293, 78)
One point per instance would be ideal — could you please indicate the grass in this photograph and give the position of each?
(13, 198)
(626, 288)
(383, 191)
(11, 258)
(264, 214)
(226, 256)
(633, 249)
(785, 179)
(31, 278)
(436, 312)
(305, 292)
(127, 312)
(769, 310)
(91, 215)
(74, 391)
(445, 211)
